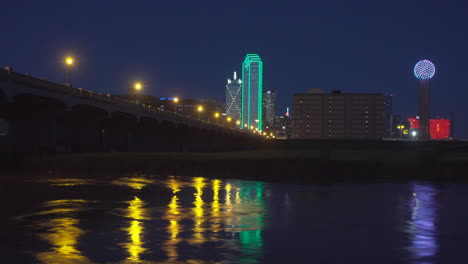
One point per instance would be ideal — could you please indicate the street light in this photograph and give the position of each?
(216, 115)
(176, 100)
(199, 110)
(229, 119)
(138, 86)
(69, 62)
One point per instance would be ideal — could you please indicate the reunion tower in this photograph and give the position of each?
(424, 71)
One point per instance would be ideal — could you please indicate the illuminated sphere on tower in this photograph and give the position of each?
(424, 70)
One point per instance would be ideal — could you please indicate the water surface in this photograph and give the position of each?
(147, 219)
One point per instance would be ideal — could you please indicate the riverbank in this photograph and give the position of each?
(280, 161)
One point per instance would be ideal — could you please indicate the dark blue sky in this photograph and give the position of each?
(190, 48)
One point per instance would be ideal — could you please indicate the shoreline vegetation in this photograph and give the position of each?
(294, 161)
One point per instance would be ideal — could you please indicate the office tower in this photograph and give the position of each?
(424, 70)
(282, 127)
(252, 82)
(269, 108)
(233, 97)
(338, 116)
(388, 120)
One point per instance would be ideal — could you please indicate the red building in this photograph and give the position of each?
(439, 128)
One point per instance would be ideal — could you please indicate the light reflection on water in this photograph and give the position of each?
(200, 220)
(134, 245)
(60, 228)
(223, 216)
(422, 227)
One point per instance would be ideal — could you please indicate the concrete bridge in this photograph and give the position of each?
(43, 116)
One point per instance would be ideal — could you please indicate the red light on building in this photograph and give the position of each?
(414, 122)
(439, 128)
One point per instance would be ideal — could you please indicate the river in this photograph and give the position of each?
(138, 218)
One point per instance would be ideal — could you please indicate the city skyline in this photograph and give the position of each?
(354, 47)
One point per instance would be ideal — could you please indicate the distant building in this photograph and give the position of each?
(388, 120)
(400, 127)
(252, 91)
(189, 107)
(162, 103)
(282, 127)
(234, 97)
(439, 128)
(269, 108)
(338, 116)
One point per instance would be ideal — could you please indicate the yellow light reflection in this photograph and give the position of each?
(63, 233)
(136, 183)
(228, 194)
(173, 215)
(135, 230)
(215, 207)
(67, 181)
(174, 185)
(198, 212)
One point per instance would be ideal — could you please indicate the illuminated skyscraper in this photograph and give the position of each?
(252, 77)
(269, 108)
(233, 97)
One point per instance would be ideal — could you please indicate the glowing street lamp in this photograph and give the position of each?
(69, 62)
(138, 86)
(135, 90)
(238, 122)
(229, 119)
(176, 100)
(216, 115)
(199, 110)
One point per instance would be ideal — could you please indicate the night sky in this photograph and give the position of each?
(189, 48)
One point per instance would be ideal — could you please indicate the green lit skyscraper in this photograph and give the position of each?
(252, 82)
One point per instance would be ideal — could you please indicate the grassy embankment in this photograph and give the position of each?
(286, 161)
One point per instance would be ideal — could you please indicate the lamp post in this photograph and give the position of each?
(137, 87)
(69, 62)
(199, 110)
(216, 115)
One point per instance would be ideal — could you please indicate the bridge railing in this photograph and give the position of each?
(47, 85)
